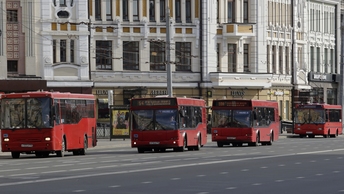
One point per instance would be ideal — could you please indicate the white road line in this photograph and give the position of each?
(56, 171)
(13, 175)
(39, 167)
(9, 170)
(62, 165)
(81, 169)
(161, 168)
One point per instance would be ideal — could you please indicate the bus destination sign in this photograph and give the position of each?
(234, 103)
(154, 102)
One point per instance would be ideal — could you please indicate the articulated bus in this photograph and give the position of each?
(318, 119)
(161, 123)
(244, 121)
(43, 122)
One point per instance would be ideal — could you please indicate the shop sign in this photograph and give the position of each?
(237, 93)
(158, 92)
(279, 93)
(102, 92)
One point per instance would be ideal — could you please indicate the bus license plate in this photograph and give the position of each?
(230, 137)
(154, 143)
(309, 132)
(26, 145)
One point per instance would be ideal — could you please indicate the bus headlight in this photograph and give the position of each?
(319, 129)
(298, 128)
(6, 139)
(47, 139)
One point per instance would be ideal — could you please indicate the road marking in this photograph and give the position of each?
(78, 191)
(33, 168)
(160, 168)
(13, 175)
(62, 165)
(56, 171)
(9, 170)
(81, 169)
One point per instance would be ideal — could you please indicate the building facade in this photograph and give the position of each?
(282, 50)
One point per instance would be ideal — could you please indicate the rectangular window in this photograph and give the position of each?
(157, 56)
(246, 58)
(273, 60)
(326, 60)
(63, 3)
(103, 55)
(232, 58)
(287, 65)
(135, 10)
(188, 11)
(12, 16)
(125, 10)
(183, 56)
(162, 10)
(54, 51)
(108, 10)
(280, 59)
(131, 55)
(12, 66)
(98, 9)
(152, 10)
(178, 11)
(63, 50)
(72, 51)
(287, 112)
(245, 11)
(218, 57)
(268, 58)
(231, 11)
(333, 69)
(318, 60)
(312, 59)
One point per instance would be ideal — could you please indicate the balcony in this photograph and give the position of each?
(237, 30)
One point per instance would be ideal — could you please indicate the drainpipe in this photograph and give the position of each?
(201, 48)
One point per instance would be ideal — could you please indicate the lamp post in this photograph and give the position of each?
(168, 56)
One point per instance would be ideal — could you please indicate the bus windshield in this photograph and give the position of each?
(232, 118)
(304, 116)
(25, 113)
(152, 120)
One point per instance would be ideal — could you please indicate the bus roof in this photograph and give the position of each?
(38, 94)
(319, 106)
(244, 103)
(166, 101)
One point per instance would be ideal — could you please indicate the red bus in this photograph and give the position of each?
(43, 122)
(244, 121)
(318, 119)
(168, 122)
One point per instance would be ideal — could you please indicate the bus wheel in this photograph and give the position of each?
(257, 140)
(199, 143)
(62, 151)
(182, 149)
(271, 139)
(140, 150)
(38, 154)
(219, 144)
(84, 150)
(15, 154)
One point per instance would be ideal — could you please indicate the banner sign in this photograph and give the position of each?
(119, 122)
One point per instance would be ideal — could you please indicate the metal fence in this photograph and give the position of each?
(103, 131)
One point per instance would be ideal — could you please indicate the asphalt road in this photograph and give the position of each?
(290, 165)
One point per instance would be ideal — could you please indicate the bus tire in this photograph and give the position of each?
(15, 154)
(219, 144)
(199, 143)
(271, 139)
(182, 149)
(257, 140)
(140, 150)
(84, 150)
(61, 152)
